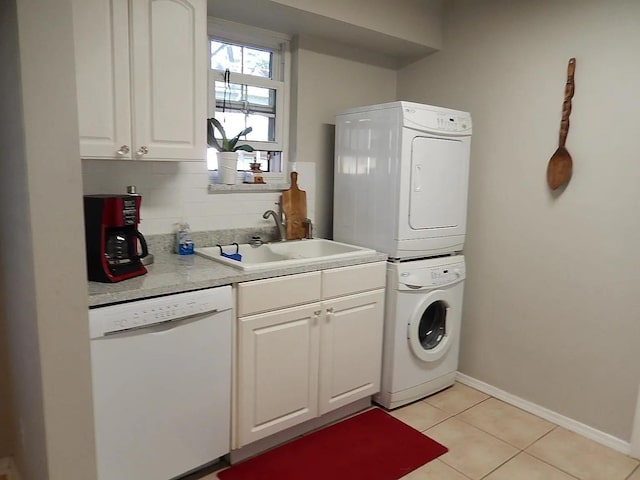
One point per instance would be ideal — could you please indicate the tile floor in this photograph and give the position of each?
(492, 440)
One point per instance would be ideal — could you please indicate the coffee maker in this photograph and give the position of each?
(111, 233)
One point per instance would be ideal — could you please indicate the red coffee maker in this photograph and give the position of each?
(111, 233)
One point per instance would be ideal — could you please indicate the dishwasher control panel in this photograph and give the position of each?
(143, 313)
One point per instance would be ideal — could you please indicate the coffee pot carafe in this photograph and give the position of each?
(121, 250)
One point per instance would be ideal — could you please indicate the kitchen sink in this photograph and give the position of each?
(283, 254)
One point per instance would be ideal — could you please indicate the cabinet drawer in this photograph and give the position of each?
(357, 278)
(279, 292)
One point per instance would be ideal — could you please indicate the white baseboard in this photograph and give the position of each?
(542, 412)
(8, 468)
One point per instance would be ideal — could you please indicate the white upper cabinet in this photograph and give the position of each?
(169, 77)
(141, 68)
(101, 31)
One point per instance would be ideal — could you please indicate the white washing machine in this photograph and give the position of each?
(422, 328)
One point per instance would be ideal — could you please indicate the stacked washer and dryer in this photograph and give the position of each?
(401, 180)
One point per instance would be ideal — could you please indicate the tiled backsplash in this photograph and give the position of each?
(174, 192)
(161, 243)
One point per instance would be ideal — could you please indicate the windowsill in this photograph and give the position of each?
(274, 183)
(247, 187)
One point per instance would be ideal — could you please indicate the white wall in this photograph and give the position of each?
(550, 310)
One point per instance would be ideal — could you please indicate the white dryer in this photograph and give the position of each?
(422, 328)
(400, 179)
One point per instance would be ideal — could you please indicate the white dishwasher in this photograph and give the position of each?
(162, 384)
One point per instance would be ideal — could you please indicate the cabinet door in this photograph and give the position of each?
(101, 36)
(351, 349)
(169, 66)
(277, 372)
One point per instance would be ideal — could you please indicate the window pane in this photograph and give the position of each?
(226, 55)
(245, 98)
(239, 59)
(257, 62)
(262, 128)
(262, 96)
(231, 93)
(234, 122)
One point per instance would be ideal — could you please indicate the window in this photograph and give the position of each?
(248, 87)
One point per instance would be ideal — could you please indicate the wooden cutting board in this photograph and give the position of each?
(294, 207)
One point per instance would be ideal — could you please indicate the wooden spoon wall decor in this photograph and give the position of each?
(560, 165)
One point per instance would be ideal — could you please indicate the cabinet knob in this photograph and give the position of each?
(143, 150)
(124, 149)
(329, 311)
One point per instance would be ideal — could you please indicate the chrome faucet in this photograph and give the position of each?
(279, 223)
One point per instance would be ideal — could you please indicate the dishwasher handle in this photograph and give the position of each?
(160, 327)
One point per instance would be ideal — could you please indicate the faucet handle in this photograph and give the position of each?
(308, 228)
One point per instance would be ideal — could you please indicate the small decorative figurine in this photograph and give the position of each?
(257, 173)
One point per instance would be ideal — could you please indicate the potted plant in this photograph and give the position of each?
(227, 150)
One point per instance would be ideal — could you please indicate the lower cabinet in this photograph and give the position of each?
(300, 362)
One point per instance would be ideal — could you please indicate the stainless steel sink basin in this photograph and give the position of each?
(283, 254)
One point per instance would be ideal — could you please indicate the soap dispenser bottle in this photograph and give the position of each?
(184, 243)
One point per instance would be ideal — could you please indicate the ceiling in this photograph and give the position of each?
(378, 47)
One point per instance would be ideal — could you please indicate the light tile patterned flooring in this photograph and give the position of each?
(492, 440)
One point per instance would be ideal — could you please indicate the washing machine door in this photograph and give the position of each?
(431, 330)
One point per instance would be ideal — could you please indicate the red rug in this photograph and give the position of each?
(372, 445)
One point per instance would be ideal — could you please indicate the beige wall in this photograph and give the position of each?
(43, 277)
(19, 339)
(326, 85)
(550, 311)
(6, 427)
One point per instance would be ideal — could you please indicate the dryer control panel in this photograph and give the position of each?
(453, 123)
(439, 121)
